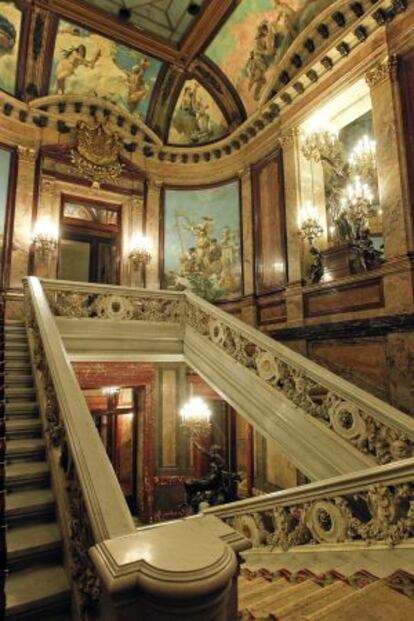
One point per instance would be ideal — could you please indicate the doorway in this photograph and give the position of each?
(89, 248)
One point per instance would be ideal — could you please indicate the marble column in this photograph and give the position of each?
(386, 111)
(248, 308)
(291, 172)
(22, 229)
(153, 210)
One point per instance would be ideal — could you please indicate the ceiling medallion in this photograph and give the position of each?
(96, 155)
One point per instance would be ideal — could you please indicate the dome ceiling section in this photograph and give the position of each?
(167, 19)
(196, 119)
(87, 64)
(14, 22)
(255, 39)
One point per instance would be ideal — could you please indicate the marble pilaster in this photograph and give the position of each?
(383, 84)
(153, 210)
(21, 240)
(247, 228)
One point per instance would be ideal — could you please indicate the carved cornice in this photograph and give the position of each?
(382, 72)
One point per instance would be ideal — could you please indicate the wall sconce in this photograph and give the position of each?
(45, 237)
(309, 227)
(321, 142)
(140, 254)
(195, 418)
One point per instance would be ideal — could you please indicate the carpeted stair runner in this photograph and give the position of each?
(305, 596)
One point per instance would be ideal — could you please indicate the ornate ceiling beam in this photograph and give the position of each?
(113, 28)
(197, 38)
(203, 30)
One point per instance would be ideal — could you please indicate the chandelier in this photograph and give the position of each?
(321, 142)
(195, 418)
(356, 206)
(362, 161)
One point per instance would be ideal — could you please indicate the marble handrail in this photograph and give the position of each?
(374, 505)
(368, 430)
(107, 509)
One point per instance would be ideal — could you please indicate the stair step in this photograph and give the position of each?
(251, 597)
(19, 393)
(16, 344)
(17, 354)
(27, 472)
(282, 598)
(31, 540)
(377, 601)
(21, 407)
(27, 427)
(25, 448)
(311, 603)
(17, 366)
(17, 377)
(36, 590)
(29, 502)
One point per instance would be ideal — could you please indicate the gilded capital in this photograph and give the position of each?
(288, 139)
(48, 186)
(26, 154)
(154, 185)
(382, 71)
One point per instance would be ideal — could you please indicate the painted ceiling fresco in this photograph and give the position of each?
(254, 40)
(10, 26)
(168, 19)
(197, 119)
(85, 63)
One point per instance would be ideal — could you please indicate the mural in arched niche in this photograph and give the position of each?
(256, 37)
(197, 119)
(10, 27)
(85, 63)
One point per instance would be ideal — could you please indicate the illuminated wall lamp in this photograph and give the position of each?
(45, 237)
(140, 254)
(195, 418)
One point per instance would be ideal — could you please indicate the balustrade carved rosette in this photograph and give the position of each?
(381, 513)
(344, 418)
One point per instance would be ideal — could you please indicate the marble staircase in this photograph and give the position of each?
(304, 596)
(37, 585)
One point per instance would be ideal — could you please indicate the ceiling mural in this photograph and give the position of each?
(168, 19)
(85, 63)
(254, 40)
(197, 119)
(10, 26)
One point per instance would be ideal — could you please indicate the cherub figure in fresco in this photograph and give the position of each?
(259, 60)
(72, 59)
(7, 36)
(138, 89)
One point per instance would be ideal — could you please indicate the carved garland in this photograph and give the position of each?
(344, 418)
(382, 513)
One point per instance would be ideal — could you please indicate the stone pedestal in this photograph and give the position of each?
(338, 262)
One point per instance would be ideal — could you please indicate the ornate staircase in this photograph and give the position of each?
(36, 585)
(305, 596)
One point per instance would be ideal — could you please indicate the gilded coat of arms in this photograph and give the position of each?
(96, 155)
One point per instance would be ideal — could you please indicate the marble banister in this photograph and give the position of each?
(185, 570)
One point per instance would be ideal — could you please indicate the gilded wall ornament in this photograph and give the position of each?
(382, 71)
(96, 155)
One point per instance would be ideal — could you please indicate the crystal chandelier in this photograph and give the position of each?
(356, 206)
(362, 161)
(321, 142)
(195, 418)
